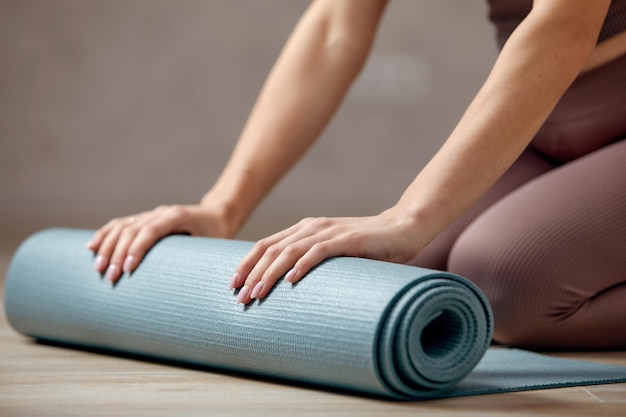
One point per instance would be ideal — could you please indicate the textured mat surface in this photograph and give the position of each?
(355, 324)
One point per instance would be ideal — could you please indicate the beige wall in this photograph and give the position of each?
(111, 107)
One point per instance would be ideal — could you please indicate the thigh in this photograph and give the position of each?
(551, 256)
(528, 166)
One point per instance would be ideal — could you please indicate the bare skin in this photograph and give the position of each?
(548, 50)
(606, 51)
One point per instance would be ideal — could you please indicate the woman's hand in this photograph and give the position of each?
(122, 243)
(294, 251)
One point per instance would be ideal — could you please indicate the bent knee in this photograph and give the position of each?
(516, 283)
(532, 305)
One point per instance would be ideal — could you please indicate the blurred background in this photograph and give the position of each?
(111, 107)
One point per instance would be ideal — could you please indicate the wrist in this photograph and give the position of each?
(229, 214)
(418, 226)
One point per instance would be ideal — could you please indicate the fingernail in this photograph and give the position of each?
(111, 273)
(242, 294)
(129, 263)
(99, 263)
(233, 281)
(257, 290)
(291, 275)
(89, 244)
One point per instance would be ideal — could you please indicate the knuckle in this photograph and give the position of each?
(262, 245)
(122, 224)
(250, 280)
(267, 275)
(118, 257)
(290, 250)
(99, 235)
(177, 211)
(307, 220)
(129, 229)
(136, 250)
(321, 248)
(322, 222)
(107, 226)
(138, 243)
(304, 265)
(107, 246)
(104, 252)
(116, 221)
(273, 251)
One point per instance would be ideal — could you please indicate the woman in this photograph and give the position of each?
(526, 197)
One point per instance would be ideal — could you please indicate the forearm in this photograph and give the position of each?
(317, 65)
(536, 66)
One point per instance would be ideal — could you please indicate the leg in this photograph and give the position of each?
(528, 166)
(551, 256)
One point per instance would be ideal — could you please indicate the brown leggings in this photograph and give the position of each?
(547, 245)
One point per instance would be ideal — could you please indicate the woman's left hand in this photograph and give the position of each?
(292, 252)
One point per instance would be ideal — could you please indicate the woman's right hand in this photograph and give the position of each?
(121, 244)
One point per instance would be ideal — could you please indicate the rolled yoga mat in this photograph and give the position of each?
(353, 324)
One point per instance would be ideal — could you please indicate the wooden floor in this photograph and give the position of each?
(43, 380)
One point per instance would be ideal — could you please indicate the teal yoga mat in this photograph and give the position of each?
(351, 324)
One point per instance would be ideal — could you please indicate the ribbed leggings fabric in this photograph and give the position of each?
(547, 245)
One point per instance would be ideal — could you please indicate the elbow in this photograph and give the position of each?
(336, 37)
(348, 30)
(343, 32)
(347, 49)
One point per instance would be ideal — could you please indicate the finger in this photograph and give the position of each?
(124, 235)
(315, 255)
(267, 271)
(120, 253)
(100, 235)
(282, 265)
(105, 251)
(256, 253)
(160, 225)
(261, 258)
(253, 279)
(295, 261)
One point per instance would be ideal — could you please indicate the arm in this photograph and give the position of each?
(319, 62)
(321, 58)
(539, 62)
(536, 66)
